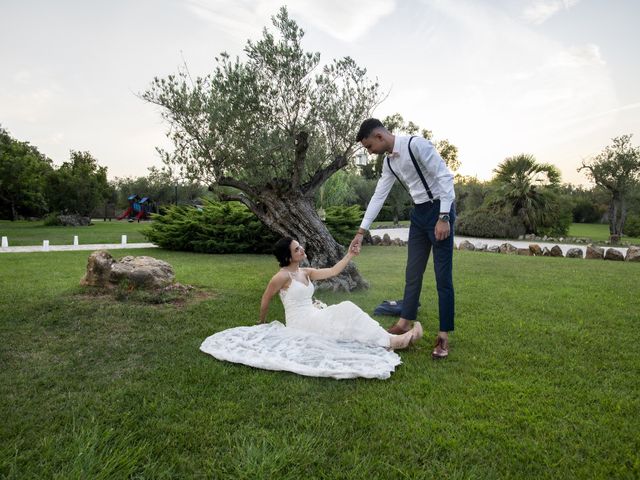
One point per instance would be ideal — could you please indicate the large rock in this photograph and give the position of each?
(524, 251)
(74, 220)
(386, 239)
(535, 249)
(146, 272)
(494, 249)
(613, 254)
(508, 248)
(574, 252)
(466, 245)
(555, 251)
(633, 254)
(98, 269)
(594, 253)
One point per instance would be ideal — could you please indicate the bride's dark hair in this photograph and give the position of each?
(282, 251)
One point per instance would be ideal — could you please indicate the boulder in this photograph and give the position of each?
(386, 239)
(481, 247)
(535, 249)
(98, 269)
(524, 251)
(633, 254)
(375, 240)
(613, 254)
(494, 249)
(574, 252)
(508, 249)
(145, 272)
(555, 251)
(546, 252)
(594, 253)
(74, 220)
(466, 245)
(142, 271)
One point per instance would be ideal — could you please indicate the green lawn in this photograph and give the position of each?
(21, 233)
(598, 232)
(542, 379)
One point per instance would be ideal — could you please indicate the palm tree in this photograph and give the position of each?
(528, 189)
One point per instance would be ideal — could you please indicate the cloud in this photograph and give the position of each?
(540, 11)
(503, 88)
(346, 21)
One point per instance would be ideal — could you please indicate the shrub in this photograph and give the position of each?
(343, 222)
(632, 226)
(52, 220)
(485, 223)
(219, 227)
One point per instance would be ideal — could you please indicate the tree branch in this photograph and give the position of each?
(302, 145)
(239, 184)
(321, 176)
(240, 198)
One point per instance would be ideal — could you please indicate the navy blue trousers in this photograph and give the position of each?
(422, 240)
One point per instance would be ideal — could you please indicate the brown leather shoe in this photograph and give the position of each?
(441, 349)
(397, 330)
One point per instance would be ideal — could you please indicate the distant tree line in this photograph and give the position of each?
(524, 196)
(32, 187)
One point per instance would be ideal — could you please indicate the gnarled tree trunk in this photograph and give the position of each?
(293, 214)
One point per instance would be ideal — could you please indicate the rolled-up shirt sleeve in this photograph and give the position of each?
(383, 188)
(438, 170)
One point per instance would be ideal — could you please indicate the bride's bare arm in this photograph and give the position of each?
(322, 273)
(275, 284)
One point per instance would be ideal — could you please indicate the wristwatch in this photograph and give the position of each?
(444, 217)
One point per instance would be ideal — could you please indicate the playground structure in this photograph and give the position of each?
(139, 208)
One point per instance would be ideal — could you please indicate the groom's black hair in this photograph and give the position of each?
(367, 128)
(282, 251)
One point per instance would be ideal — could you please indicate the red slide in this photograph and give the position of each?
(126, 213)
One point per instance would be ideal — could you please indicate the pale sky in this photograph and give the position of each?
(554, 78)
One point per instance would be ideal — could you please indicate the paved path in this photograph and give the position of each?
(68, 248)
(403, 234)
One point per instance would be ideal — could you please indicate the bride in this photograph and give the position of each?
(344, 321)
(339, 341)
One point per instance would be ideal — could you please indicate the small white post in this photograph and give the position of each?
(124, 240)
(45, 245)
(75, 240)
(5, 242)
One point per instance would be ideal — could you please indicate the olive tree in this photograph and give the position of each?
(616, 169)
(273, 126)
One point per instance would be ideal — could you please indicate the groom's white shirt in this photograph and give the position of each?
(436, 173)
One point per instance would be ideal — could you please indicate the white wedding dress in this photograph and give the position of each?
(339, 341)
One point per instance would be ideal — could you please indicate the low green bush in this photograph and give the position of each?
(52, 220)
(485, 223)
(632, 226)
(343, 222)
(218, 227)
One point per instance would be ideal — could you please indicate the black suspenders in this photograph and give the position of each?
(415, 164)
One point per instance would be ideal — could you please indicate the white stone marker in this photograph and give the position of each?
(75, 240)
(5, 242)
(124, 240)
(45, 245)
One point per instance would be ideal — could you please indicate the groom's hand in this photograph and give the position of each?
(443, 229)
(356, 243)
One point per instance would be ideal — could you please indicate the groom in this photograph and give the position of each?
(415, 162)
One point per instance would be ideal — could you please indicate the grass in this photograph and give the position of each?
(598, 232)
(542, 381)
(20, 233)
